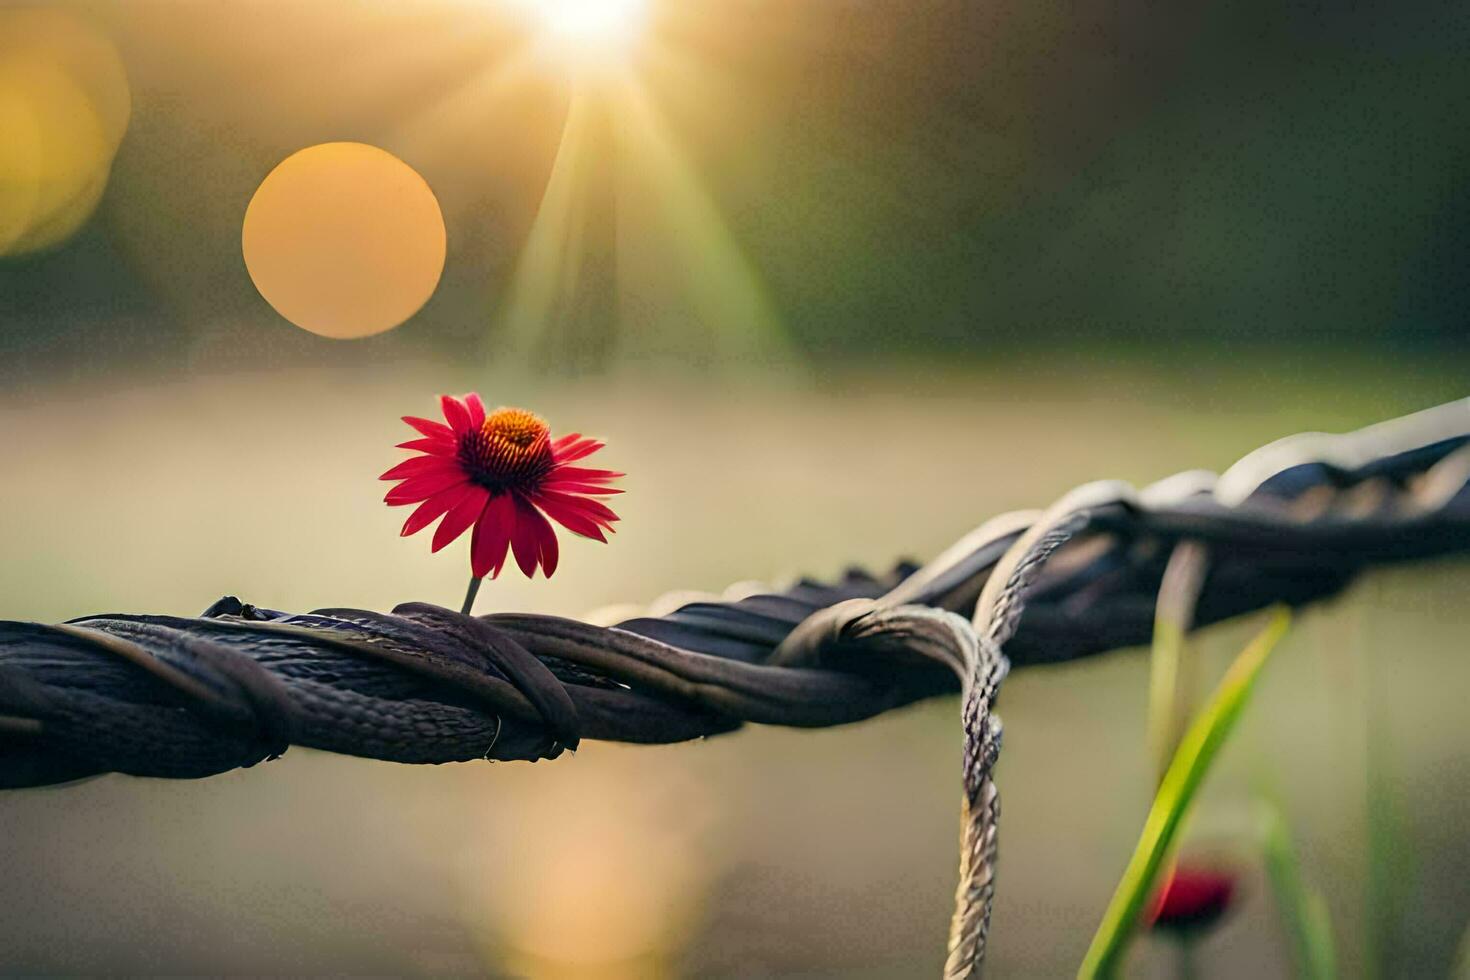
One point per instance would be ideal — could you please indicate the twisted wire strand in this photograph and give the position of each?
(186, 697)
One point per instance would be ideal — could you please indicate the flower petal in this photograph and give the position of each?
(422, 466)
(575, 450)
(436, 446)
(581, 474)
(455, 414)
(429, 511)
(477, 410)
(460, 517)
(492, 536)
(595, 509)
(430, 429)
(526, 540)
(550, 552)
(580, 488)
(423, 487)
(550, 548)
(569, 517)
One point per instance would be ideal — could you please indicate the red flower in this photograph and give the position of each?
(503, 475)
(1192, 898)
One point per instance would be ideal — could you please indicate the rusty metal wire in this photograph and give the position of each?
(1293, 522)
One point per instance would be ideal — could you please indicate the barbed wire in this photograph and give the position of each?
(178, 697)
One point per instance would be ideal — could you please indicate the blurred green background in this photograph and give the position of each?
(873, 273)
(947, 177)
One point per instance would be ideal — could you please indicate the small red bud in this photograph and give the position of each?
(1193, 899)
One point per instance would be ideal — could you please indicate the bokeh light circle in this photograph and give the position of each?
(344, 240)
(64, 107)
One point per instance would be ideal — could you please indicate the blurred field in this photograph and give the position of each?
(766, 853)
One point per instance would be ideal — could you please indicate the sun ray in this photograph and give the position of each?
(550, 261)
(628, 253)
(731, 305)
(437, 125)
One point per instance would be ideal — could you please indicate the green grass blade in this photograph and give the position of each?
(1167, 711)
(1172, 663)
(1197, 751)
(1303, 907)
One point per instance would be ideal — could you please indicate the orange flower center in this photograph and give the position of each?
(512, 450)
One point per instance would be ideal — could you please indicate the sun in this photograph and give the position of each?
(594, 21)
(599, 28)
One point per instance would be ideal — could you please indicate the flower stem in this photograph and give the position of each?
(1188, 964)
(469, 596)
